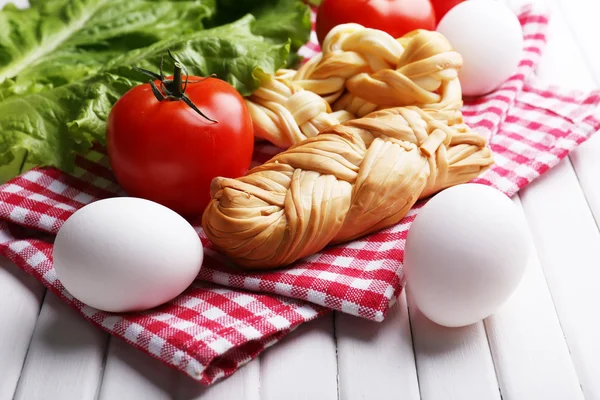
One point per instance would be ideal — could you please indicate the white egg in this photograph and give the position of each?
(126, 254)
(465, 254)
(488, 36)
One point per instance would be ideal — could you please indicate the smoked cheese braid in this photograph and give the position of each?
(352, 179)
(359, 70)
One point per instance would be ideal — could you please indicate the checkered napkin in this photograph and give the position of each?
(226, 318)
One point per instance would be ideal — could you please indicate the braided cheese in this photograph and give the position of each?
(350, 180)
(359, 70)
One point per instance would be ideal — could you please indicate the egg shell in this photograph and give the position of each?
(465, 254)
(489, 37)
(126, 254)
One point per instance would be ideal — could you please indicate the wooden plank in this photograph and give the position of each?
(376, 360)
(575, 45)
(586, 162)
(65, 356)
(582, 18)
(244, 384)
(531, 357)
(131, 374)
(21, 298)
(568, 244)
(562, 62)
(303, 365)
(452, 363)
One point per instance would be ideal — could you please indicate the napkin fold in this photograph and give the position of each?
(227, 317)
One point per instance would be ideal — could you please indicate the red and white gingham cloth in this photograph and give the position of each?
(228, 317)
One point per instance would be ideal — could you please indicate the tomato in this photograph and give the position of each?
(441, 7)
(396, 17)
(167, 152)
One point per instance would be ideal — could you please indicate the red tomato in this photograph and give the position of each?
(166, 152)
(441, 7)
(396, 17)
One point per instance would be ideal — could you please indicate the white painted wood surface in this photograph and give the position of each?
(245, 384)
(129, 376)
(525, 335)
(308, 355)
(65, 356)
(20, 301)
(452, 363)
(372, 355)
(543, 344)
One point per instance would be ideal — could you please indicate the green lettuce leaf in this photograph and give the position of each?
(278, 19)
(56, 42)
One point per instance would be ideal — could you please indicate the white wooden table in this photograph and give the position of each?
(544, 344)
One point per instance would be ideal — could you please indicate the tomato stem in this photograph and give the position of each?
(177, 82)
(173, 89)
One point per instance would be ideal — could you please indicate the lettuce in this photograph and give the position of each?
(279, 19)
(60, 41)
(64, 63)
